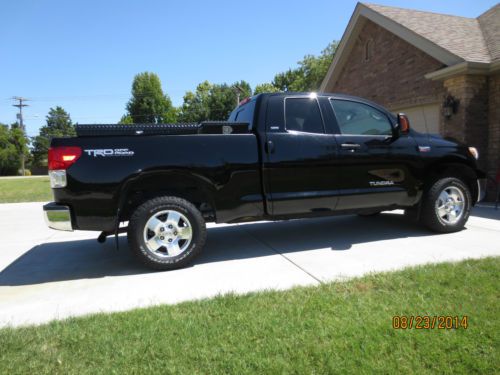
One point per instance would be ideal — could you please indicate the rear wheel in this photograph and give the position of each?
(446, 205)
(166, 232)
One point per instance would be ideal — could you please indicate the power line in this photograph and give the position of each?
(97, 96)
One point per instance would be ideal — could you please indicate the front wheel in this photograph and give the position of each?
(446, 205)
(166, 232)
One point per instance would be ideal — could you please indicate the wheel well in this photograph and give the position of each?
(458, 170)
(176, 185)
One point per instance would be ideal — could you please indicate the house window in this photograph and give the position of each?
(368, 50)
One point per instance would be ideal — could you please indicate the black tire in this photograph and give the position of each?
(144, 212)
(430, 217)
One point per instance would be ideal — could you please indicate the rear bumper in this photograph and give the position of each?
(58, 216)
(481, 189)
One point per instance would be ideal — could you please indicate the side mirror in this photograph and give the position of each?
(403, 124)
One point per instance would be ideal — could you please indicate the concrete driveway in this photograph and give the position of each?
(48, 275)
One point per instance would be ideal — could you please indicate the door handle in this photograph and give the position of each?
(350, 146)
(270, 147)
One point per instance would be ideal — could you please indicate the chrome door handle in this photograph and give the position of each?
(270, 147)
(350, 146)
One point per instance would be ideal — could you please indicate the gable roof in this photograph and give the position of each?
(489, 22)
(449, 39)
(459, 35)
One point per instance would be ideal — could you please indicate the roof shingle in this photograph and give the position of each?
(461, 36)
(490, 25)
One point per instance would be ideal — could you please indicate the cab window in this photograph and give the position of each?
(303, 115)
(360, 119)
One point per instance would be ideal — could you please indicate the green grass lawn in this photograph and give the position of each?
(34, 189)
(335, 328)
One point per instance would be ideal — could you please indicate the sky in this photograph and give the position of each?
(83, 54)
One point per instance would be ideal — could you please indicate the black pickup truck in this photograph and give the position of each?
(279, 156)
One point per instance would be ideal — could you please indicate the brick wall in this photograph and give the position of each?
(470, 123)
(394, 74)
(494, 125)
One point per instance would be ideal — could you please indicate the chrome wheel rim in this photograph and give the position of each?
(450, 205)
(167, 234)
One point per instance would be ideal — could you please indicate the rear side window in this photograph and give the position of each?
(303, 115)
(360, 119)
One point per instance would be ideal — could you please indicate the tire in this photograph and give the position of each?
(166, 233)
(446, 205)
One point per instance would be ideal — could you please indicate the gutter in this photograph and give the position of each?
(465, 67)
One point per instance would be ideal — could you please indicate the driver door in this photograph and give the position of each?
(375, 167)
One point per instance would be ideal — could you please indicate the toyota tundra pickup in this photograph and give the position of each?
(279, 156)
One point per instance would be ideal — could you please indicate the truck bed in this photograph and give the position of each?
(224, 167)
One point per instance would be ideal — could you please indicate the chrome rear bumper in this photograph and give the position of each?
(57, 216)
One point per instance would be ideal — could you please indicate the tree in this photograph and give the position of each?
(20, 141)
(8, 162)
(195, 106)
(310, 73)
(171, 115)
(222, 99)
(284, 81)
(58, 125)
(148, 103)
(265, 88)
(212, 101)
(126, 120)
(13, 143)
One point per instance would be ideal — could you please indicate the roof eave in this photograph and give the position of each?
(466, 67)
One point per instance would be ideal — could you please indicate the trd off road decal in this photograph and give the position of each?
(109, 152)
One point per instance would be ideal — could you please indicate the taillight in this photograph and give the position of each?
(62, 157)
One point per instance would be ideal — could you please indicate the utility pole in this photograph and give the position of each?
(238, 90)
(20, 105)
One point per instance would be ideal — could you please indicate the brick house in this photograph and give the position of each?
(442, 71)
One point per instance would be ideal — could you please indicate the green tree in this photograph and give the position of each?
(148, 103)
(222, 99)
(195, 105)
(13, 143)
(310, 72)
(265, 88)
(212, 101)
(284, 81)
(171, 115)
(58, 124)
(126, 120)
(8, 158)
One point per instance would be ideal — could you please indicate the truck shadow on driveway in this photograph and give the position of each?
(486, 212)
(87, 259)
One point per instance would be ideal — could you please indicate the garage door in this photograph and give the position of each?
(424, 119)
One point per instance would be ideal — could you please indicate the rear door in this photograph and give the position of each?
(299, 173)
(375, 168)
